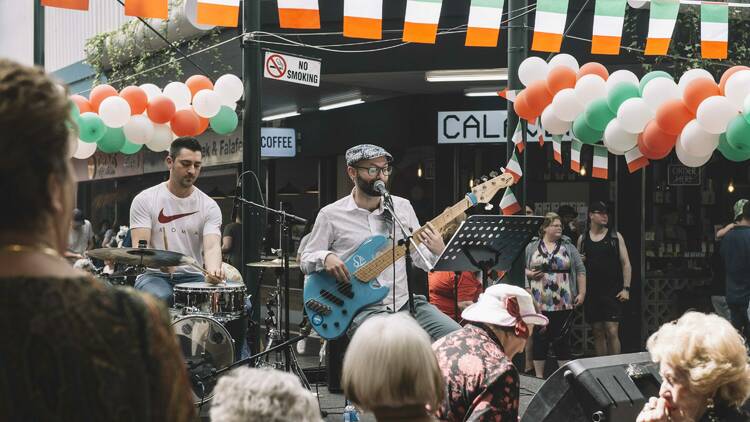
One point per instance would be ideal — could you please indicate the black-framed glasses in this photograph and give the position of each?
(600, 212)
(374, 170)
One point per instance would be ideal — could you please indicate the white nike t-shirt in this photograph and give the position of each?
(177, 224)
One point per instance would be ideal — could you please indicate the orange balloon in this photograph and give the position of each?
(521, 107)
(559, 78)
(538, 96)
(84, 106)
(98, 94)
(137, 99)
(593, 68)
(185, 123)
(197, 83)
(672, 116)
(160, 109)
(203, 126)
(697, 91)
(729, 72)
(656, 141)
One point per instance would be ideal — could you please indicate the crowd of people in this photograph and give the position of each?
(82, 350)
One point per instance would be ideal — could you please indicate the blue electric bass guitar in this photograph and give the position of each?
(331, 305)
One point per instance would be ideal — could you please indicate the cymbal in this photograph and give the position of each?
(154, 258)
(273, 263)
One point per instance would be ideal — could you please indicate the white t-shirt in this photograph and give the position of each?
(177, 224)
(79, 238)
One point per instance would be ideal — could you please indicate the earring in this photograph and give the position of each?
(710, 410)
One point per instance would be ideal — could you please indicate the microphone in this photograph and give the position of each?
(379, 187)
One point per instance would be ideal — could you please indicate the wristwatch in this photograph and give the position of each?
(626, 288)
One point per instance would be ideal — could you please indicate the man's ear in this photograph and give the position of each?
(351, 171)
(169, 162)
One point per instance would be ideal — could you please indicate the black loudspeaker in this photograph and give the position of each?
(610, 388)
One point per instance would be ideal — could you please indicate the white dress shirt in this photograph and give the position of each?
(342, 226)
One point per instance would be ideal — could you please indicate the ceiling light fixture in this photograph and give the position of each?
(280, 116)
(465, 75)
(340, 104)
(482, 92)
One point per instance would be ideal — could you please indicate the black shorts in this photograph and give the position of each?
(605, 308)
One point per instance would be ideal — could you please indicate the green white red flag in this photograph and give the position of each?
(661, 26)
(601, 162)
(363, 19)
(299, 14)
(635, 160)
(557, 148)
(484, 23)
(714, 30)
(575, 155)
(549, 25)
(67, 4)
(509, 204)
(609, 16)
(421, 21)
(514, 168)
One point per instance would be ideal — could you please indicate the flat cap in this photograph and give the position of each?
(365, 152)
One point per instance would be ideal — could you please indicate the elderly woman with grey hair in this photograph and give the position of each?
(262, 395)
(704, 367)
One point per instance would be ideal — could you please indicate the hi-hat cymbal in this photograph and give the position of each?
(273, 263)
(154, 258)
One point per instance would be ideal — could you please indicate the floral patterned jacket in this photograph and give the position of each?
(481, 382)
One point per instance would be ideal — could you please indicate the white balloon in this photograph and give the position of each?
(151, 90)
(114, 111)
(633, 115)
(230, 104)
(162, 138)
(191, 9)
(206, 103)
(686, 158)
(637, 4)
(84, 150)
(532, 69)
(692, 75)
(617, 139)
(552, 124)
(737, 88)
(621, 76)
(229, 87)
(659, 90)
(565, 105)
(696, 141)
(566, 60)
(179, 93)
(715, 113)
(590, 88)
(139, 130)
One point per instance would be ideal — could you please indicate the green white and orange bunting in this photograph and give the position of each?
(421, 21)
(299, 14)
(517, 137)
(363, 19)
(609, 16)
(514, 168)
(601, 162)
(484, 23)
(67, 4)
(508, 94)
(635, 160)
(557, 148)
(714, 30)
(549, 25)
(575, 155)
(509, 204)
(540, 131)
(661, 26)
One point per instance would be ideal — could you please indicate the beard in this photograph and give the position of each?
(368, 188)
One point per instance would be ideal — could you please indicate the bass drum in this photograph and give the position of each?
(206, 347)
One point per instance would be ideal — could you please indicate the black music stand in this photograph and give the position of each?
(488, 242)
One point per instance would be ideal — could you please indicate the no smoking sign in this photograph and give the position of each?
(298, 70)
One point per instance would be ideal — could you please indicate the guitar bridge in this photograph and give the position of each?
(318, 307)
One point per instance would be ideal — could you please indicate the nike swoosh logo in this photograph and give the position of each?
(164, 219)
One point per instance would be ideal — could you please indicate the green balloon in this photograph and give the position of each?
(653, 75)
(130, 148)
(584, 133)
(224, 122)
(730, 153)
(112, 141)
(91, 127)
(598, 115)
(620, 93)
(738, 134)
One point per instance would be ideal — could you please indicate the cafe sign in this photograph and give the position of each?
(679, 175)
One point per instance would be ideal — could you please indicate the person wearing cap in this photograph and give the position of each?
(81, 236)
(608, 275)
(718, 274)
(568, 216)
(481, 381)
(341, 227)
(735, 249)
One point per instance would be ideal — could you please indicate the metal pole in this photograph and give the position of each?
(517, 52)
(252, 218)
(38, 33)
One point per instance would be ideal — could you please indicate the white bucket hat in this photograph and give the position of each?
(504, 305)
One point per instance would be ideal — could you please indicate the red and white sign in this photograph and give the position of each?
(292, 69)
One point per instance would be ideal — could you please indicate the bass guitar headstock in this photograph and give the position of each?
(485, 191)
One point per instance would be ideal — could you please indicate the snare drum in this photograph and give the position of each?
(221, 301)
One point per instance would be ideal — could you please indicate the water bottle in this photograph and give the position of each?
(351, 414)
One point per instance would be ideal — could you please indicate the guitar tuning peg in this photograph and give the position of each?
(488, 207)
(493, 174)
(485, 178)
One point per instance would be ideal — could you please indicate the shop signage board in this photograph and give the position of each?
(679, 175)
(108, 166)
(278, 142)
(297, 70)
(480, 127)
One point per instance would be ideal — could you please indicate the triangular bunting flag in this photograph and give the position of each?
(484, 23)
(363, 19)
(714, 30)
(540, 129)
(601, 162)
(557, 147)
(661, 26)
(518, 137)
(514, 168)
(156, 9)
(549, 25)
(218, 12)
(299, 14)
(575, 155)
(421, 21)
(67, 4)
(635, 160)
(509, 204)
(609, 16)
(508, 94)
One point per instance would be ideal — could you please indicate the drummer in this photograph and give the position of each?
(177, 216)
